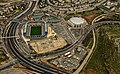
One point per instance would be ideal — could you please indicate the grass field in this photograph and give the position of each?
(36, 30)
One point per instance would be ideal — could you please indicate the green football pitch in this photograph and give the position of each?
(36, 30)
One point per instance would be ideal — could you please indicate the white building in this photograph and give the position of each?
(76, 22)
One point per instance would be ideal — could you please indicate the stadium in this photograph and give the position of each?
(35, 30)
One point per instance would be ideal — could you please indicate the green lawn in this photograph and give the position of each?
(36, 30)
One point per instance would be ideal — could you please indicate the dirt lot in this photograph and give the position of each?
(90, 71)
(45, 45)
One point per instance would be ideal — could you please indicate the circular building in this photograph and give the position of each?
(77, 22)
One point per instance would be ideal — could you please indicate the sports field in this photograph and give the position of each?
(36, 30)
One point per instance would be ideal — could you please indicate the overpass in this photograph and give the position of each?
(77, 42)
(13, 47)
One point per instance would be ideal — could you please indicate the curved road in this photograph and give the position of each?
(79, 41)
(13, 47)
(41, 67)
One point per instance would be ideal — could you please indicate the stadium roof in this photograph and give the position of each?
(77, 20)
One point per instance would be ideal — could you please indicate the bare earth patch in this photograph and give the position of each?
(89, 18)
(45, 45)
(90, 71)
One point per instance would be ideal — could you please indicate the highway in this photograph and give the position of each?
(28, 11)
(14, 48)
(41, 68)
(79, 41)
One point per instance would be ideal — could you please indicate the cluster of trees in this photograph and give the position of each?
(109, 52)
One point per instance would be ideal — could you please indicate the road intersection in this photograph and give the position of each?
(14, 48)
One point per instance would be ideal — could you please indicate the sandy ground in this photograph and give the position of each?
(12, 71)
(17, 69)
(45, 45)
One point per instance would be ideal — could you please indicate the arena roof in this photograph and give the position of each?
(77, 20)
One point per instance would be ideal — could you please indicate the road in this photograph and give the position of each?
(76, 6)
(90, 52)
(41, 67)
(65, 26)
(77, 42)
(27, 11)
(13, 47)
(9, 64)
(88, 57)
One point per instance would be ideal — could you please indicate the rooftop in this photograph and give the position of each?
(77, 20)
